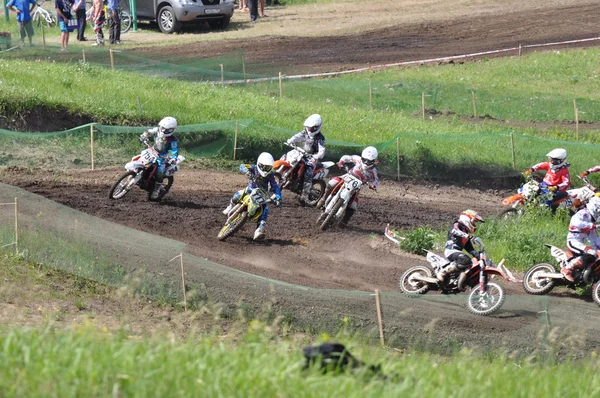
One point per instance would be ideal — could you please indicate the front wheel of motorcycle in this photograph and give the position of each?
(122, 186)
(408, 283)
(231, 227)
(596, 293)
(488, 302)
(536, 285)
(156, 196)
(329, 218)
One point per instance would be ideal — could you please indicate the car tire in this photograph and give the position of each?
(167, 21)
(220, 24)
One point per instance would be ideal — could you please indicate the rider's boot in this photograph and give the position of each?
(450, 268)
(347, 215)
(228, 208)
(260, 231)
(305, 191)
(321, 201)
(158, 185)
(567, 270)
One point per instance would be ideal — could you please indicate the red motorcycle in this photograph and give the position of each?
(289, 173)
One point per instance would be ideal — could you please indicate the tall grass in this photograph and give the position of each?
(87, 363)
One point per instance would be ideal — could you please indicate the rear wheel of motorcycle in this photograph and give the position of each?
(535, 285)
(409, 285)
(119, 188)
(329, 218)
(165, 189)
(488, 303)
(596, 293)
(317, 190)
(235, 224)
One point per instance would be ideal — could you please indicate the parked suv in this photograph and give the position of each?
(171, 14)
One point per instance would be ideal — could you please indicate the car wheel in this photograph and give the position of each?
(167, 21)
(222, 23)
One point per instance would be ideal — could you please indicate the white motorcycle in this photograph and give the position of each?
(141, 171)
(338, 200)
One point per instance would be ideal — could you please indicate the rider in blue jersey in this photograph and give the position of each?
(260, 175)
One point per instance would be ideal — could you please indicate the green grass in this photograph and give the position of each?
(83, 362)
(442, 147)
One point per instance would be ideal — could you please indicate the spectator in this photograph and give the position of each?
(243, 5)
(114, 22)
(79, 8)
(262, 9)
(253, 10)
(97, 15)
(63, 15)
(23, 10)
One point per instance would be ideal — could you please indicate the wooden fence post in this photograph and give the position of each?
(398, 156)
(112, 59)
(379, 317)
(280, 86)
(222, 75)
(423, 104)
(235, 139)
(83, 53)
(370, 94)
(576, 119)
(474, 105)
(16, 227)
(183, 283)
(512, 147)
(92, 144)
(43, 35)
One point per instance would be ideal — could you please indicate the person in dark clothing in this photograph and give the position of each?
(114, 22)
(459, 239)
(79, 8)
(253, 10)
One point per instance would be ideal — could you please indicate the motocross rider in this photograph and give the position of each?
(313, 142)
(364, 169)
(259, 175)
(459, 239)
(557, 175)
(582, 228)
(166, 145)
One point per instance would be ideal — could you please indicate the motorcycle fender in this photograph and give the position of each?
(134, 165)
(279, 163)
(494, 271)
(513, 199)
(327, 165)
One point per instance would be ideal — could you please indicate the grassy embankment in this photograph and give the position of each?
(537, 87)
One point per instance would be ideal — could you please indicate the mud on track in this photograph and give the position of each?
(355, 258)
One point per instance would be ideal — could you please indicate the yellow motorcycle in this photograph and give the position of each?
(250, 207)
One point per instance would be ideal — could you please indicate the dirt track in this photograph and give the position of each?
(474, 30)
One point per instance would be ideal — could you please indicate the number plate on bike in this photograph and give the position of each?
(352, 182)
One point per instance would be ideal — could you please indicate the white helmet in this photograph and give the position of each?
(167, 126)
(313, 124)
(264, 164)
(593, 207)
(557, 158)
(369, 157)
(470, 218)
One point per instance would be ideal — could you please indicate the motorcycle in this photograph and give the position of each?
(290, 174)
(541, 278)
(141, 171)
(486, 297)
(338, 200)
(250, 207)
(572, 199)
